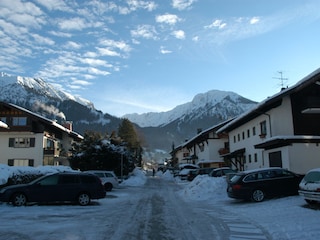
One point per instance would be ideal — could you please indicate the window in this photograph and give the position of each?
(234, 138)
(254, 131)
(249, 158)
(263, 128)
(49, 181)
(238, 136)
(255, 157)
(21, 142)
(19, 121)
(21, 162)
(248, 133)
(243, 135)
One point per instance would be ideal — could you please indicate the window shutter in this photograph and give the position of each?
(11, 142)
(10, 162)
(32, 142)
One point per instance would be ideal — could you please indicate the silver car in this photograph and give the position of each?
(310, 186)
(108, 178)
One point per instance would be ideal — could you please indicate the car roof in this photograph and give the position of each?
(261, 169)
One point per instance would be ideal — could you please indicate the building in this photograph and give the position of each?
(205, 149)
(281, 131)
(28, 139)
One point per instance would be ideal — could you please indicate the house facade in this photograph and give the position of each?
(205, 149)
(32, 140)
(281, 131)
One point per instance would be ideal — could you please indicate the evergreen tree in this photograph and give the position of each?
(128, 134)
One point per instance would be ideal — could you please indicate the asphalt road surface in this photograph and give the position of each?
(154, 211)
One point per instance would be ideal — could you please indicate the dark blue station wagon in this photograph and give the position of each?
(59, 187)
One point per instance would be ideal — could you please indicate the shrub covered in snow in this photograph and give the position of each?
(17, 175)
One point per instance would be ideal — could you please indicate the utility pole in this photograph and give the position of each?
(282, 80)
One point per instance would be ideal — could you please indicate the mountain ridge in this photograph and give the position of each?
(157, 130)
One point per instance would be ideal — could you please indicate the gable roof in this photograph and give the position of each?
(45, 120)
(271, 102)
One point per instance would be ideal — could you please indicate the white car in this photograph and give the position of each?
(108, 179)
(310, 186)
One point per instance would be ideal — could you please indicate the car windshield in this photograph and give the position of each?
(312, 177)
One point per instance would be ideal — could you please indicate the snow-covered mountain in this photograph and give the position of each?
(224, 104)
(48, 100)
(158, 130)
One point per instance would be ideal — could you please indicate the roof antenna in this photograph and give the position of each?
(282, 80)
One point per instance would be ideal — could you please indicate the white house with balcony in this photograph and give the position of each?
(205, 148)
(281, 131)
(28, 139)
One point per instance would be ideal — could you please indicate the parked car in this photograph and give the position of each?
(310, 186)
(59, 187)
(184, 170)
(223, 171)
(258, 184)
(108, 178)
(201, 171)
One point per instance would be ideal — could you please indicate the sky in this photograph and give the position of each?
(138, 56)
(292, 220)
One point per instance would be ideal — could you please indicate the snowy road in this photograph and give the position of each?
(153, 211)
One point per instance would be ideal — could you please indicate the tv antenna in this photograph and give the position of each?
(282, 80)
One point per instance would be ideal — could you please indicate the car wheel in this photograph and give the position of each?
(19, 199)
(310, 201)
(108, 186)
(257, 195)
(83, 199)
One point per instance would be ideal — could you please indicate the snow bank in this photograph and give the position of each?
(137, 178)
(204, 187)
(6, 171)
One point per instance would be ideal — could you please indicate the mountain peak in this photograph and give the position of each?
(224, 104)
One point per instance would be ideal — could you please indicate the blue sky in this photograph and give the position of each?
(136, 56)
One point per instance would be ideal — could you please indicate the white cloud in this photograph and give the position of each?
(182, 4)
(167, 18)
(164, 51)
(55, 5)
(75, 23)
(218, 23)
(72, 45)
(179, 34)
(145, 31)
(254, 20)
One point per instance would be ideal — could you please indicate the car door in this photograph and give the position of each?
(285, 183)
(44, 189)
(68, 187)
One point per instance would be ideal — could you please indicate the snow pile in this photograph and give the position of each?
(204, 187)
(167, 175)
(137, 178)
(6, 171)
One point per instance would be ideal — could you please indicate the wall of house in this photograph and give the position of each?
(281, 119)
(304, 156)
(35, 153)
(278, 122)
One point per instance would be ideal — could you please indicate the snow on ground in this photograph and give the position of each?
(289, 214)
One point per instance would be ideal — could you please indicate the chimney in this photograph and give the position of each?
(67, 125)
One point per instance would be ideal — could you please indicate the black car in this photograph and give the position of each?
(258, 184)
(59, 187)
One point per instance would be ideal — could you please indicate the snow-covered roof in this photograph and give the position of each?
(3, 125)
(46, 120)
(270, 101)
